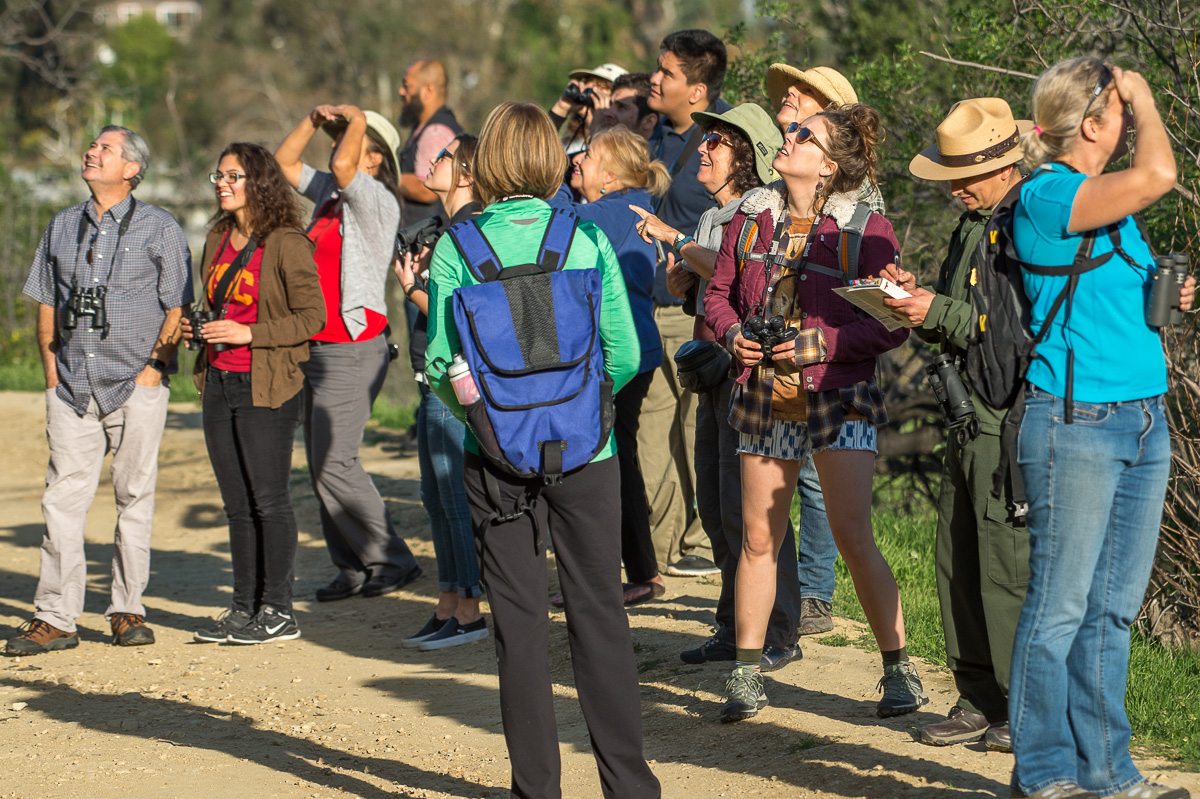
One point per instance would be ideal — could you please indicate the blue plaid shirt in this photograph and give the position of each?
(151, 275)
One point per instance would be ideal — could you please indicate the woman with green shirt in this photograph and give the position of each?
(518, 163)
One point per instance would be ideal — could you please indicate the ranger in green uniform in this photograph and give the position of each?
(982, 561)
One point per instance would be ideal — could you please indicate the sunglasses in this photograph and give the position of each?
(1105, 78)
(443, 155)
(713, 140)
(228, 177)
(804, 136)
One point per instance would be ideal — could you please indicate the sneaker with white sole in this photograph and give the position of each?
(693, 566)
(217, 631)
(1059, 790)
(267, 626)
(455, 634)
(1151, 790)
(431, 628)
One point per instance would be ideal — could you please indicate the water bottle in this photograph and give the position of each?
(463, 382)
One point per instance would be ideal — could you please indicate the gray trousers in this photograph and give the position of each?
(78, 445)
(342, 383)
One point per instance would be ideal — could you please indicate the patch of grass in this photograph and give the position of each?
(805, 742)
(836, 639)
(1160, 700)
(392, 415)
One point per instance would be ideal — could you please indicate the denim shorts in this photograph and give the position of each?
(789, 441)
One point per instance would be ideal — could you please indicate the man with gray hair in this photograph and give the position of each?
(111, 276)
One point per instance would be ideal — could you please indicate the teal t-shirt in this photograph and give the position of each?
(1118, 357)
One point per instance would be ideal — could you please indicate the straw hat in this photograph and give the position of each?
(376, 122)
(608, 72)
(976, 137)
(826, 80)
(759, 128)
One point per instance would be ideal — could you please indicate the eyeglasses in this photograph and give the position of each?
(804, 136)
(228, 177)
(714, 139)
(443, 155)
(1106, 76)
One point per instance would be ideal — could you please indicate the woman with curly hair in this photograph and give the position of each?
(260, 282)
(815, 393)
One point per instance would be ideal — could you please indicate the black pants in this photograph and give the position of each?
(251, 453)
(582, 515)
(637, 547)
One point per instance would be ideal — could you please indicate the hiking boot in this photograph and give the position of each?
(1059, 790)
(712, 649)
(267, 625)
(744, 695)
(959, 727)
(217, 630)
(692, 566)
(776, 657)
(455, 634)
(1151, 790)
(998, 738)
(38, 637)
(902, 690)
(129, 629)
(815, 616)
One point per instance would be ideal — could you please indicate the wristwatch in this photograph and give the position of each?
(157, 365)
(681, 241)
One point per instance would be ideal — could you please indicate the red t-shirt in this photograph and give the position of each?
(241, 307)
(326, 233)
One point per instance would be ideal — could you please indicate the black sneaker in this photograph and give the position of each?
(431, 628)
(744, 694)
(902, 690)
(776, 657)
(712, 649)
(267, 625)
(455, 634)
(692, 566)
(217, 630)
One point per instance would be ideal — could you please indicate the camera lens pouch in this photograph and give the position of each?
(701, 365)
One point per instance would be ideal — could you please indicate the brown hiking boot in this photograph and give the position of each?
(39, 637)
(130, 630)
(815, 616)
(959, 727)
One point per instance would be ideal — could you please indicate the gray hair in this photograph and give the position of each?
(133, 148)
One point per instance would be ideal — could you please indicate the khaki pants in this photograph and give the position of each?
(78, 445)
(666, 449)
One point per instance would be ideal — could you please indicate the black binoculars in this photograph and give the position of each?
(86, 302)
(953, 398)
(198, 318)
(768, 332)
(1169, 276)
(573, 94)
(418, 236)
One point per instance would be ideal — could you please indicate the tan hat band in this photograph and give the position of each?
(971, 159)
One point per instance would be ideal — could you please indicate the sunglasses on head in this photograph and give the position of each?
(1106, 76)
(714, 139)
(804, 136)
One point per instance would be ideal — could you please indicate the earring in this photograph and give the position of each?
(604, 191)
(820, 185)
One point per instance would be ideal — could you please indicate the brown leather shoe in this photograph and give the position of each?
(815, 616)
(960, 727)
(39, 637)
(998, 738)
(130, 630)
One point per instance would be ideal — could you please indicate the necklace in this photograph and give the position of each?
(516, 197)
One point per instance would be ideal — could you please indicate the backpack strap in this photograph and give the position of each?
(746, 243)
(850, 242)
(556, 243)
(476, 250)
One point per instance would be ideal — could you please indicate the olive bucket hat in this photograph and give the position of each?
(759, 129)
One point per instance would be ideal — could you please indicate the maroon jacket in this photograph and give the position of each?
(851, 343)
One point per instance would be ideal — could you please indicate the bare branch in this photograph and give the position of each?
(956, 62)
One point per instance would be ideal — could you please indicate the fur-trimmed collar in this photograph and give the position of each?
(770, 198)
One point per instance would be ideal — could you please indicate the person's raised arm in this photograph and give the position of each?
(346, 157)
(1108, 198)
(290, 153)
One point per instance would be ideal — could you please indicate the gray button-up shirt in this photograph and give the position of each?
(150, 275)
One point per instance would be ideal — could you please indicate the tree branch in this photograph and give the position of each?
(956, 62)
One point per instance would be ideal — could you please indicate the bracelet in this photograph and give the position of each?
(408, 292)
(681, 242)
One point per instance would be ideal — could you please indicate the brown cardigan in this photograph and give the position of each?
(291, 308)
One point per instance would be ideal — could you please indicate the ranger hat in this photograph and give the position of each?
(826, 81)
(977, 136)
(608, 72)
(758, 127)
(376, 123)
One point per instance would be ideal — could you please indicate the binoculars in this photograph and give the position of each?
(1169, 276)
(418, 236)
(198, 318)
(953, 398)
(768, 332)
(86, 302)
(579, 96)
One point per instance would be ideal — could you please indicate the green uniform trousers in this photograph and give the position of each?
(982, 565)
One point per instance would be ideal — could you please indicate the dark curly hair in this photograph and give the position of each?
(744, 175)
(854, 133)
(269, 198)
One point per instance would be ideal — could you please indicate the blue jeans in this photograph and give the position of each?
(440, 451)
(1096, 489)
(817, 550)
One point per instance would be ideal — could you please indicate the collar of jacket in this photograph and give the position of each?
(840, 207)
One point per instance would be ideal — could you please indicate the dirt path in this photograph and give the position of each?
(344, 711)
